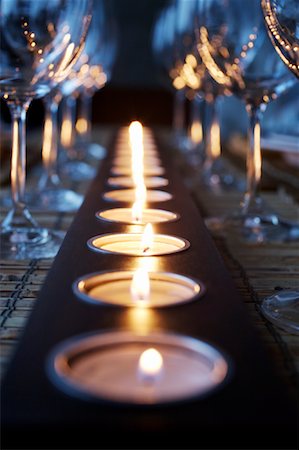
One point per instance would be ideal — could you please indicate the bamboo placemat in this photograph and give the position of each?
(259, 271)
(21, 281)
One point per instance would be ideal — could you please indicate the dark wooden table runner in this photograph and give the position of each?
(254, 409)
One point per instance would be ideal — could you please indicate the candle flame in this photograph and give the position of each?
(140, 193)
(140, 286)
(137, 211)
(135, 132)
(137, 165)
(147, 238)
(137, 151)
(150, 364)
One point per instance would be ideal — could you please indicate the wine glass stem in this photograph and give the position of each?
(19, 215)
(196, 117)
(252, 200)
(50, 143)
(83, 124)
(67, 135)
(179, 112)
(211, 133)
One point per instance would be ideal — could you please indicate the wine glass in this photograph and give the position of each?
(100, 65)
(91, 73)
(40, 41)
(282, 21)
(210, 168)
(163, 40)
(234, 45)
(51, 193)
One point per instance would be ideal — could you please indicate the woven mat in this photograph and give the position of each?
(257, 272)
(21, 281)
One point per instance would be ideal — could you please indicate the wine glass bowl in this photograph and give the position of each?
(282, 19)
(91, 73)
(234, 45)
(40, 42)
(282, 22)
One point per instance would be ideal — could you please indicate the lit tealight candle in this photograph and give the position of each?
(140, 193)
(140, 286)
(138, 289)
(129, 195)
(137, 215)
(135, 132)
(147, 171)
(122, 161)
(129, 182)
(128, 368)
(150, 366)
(138, 244)
(137, 211)
(147, 239)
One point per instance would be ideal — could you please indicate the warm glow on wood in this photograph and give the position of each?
(150, 364)
(147, 238)
(140, 286)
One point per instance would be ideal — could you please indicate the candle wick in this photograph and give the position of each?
(146, 249)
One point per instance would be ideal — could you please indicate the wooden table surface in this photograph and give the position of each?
(257, 271)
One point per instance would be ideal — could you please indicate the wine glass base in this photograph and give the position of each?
(96, 151)
(78, 171)
(282, 309)
(29, 243)
(217, 176)
(60, 200)
(254, 229)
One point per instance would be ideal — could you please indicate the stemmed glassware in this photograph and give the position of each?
(40, 42)
(211, 171)
(235, 48)
(101, 63)
(282, 21)
(163, 39)
(51, 193)
(91, 73)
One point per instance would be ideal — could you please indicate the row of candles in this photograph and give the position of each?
(126, 367)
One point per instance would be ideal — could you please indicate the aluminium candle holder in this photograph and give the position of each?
(105, 367)
(128, 182)
(129, 195)
(130, 244)
(114, 288)
(125, 216)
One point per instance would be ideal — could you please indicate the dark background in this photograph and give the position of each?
(138, 89)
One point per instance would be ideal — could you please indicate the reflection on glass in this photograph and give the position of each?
(40, 41)
(235, 48)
